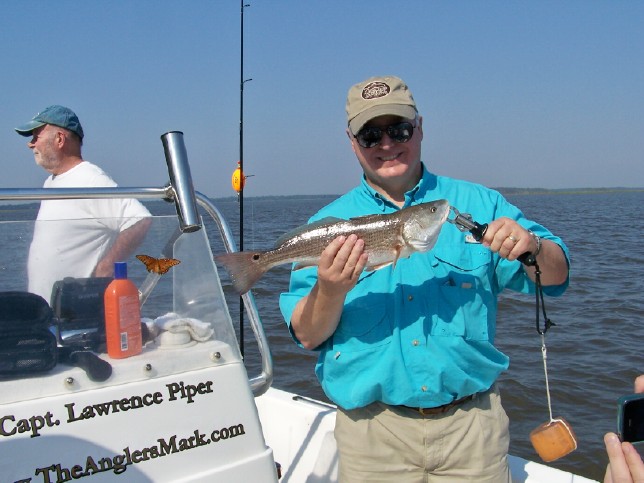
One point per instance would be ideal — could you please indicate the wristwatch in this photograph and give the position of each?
(537, 239)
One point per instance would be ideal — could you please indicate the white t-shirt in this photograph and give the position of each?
(71, 236)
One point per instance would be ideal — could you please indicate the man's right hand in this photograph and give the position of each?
(341, 264)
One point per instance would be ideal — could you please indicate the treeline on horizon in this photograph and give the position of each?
(503, 190)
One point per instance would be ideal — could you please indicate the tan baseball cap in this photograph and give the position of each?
(378, 96)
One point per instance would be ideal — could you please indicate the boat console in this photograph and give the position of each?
(181, 410)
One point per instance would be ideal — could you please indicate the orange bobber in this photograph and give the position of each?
(238, 180)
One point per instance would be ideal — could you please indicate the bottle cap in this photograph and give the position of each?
(120, 270)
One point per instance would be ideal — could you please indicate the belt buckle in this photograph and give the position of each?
(422, 412)
(433, 411)
(444, 408)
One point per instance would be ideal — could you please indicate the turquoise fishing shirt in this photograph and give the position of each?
(420, 333)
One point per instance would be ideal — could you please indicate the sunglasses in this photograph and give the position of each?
(369, 137)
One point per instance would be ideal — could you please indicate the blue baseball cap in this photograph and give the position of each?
(58, 116)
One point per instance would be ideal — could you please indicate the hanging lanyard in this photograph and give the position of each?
(547, 323)
(540, 304)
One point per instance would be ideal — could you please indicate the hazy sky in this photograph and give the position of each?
(513, 93)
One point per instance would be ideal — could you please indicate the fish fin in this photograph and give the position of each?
(398, 251)
(304, 228)
(365, 217)
(377, 267)
(244, 269)
(301, 265)
(325, 221)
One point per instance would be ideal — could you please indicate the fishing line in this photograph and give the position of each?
(545, 370)
(252, 225)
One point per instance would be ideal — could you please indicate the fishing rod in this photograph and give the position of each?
(240, 196)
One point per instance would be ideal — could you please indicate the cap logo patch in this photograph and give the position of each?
(374, 90)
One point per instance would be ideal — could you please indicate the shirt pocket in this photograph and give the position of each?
(461, 300)
(364, 325)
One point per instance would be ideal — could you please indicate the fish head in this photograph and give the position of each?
(423, 223)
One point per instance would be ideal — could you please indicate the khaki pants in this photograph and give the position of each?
(381, 443)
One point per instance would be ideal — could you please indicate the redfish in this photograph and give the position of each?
(387, 238)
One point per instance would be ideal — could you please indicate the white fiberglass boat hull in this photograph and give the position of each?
(300, 432)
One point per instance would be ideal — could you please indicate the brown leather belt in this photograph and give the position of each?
(439, 409)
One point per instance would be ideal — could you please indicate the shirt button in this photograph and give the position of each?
(415, 342)
(423, 388)
(410, 297)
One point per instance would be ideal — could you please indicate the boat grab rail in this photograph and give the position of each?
(180, 191)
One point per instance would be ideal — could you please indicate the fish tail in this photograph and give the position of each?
(243, 269)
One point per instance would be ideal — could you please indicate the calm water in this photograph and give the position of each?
(594, 352)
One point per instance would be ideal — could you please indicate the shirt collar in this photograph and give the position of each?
(416, 195)
(426, 184)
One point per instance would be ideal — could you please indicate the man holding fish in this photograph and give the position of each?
(407, 345)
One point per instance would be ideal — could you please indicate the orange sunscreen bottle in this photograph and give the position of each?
(122, 315)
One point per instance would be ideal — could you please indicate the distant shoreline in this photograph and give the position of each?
(564, 191)
(503, 190)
